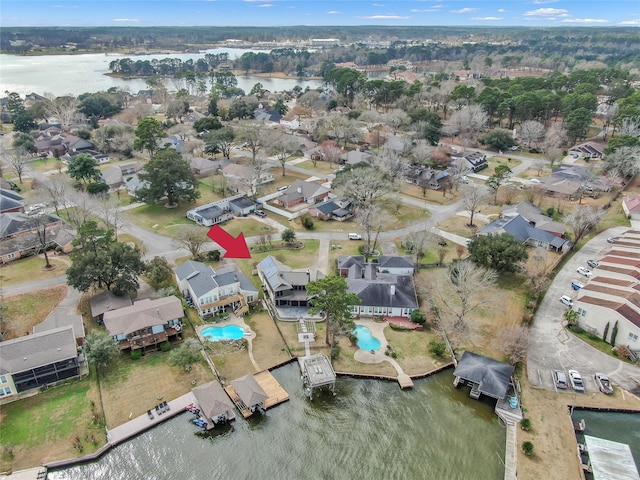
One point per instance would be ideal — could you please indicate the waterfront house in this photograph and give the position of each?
(385, 288)
(283, 286)
(212, 291)
(485, 375)
(38, 360)
(145, 324)
(214, 404)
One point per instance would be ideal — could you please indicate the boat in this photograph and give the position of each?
(603, 383)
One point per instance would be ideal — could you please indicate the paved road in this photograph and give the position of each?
(552, 348)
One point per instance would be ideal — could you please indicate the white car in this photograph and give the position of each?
(567, 300)
(535, 180)
(584, 271)
(576, 381)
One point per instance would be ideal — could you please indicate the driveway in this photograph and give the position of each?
(552, 348)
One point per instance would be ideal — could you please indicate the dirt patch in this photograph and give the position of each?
(28, 309)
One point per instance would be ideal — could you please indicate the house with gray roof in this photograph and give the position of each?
(38, 360)
(213, 291)
(333, 209)
(384, 289)
(145, 324)
(58, 320)
(10, 201)
(354, 157)
(221, 210)
(533, 214)
(524, 232)
(283, 286)
(301, 191)
(107, 301)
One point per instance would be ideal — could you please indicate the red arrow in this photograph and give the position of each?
(235, 247)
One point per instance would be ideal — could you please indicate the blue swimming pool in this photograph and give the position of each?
(366, 341)
(216, 334)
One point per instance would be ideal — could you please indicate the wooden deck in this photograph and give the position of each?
(235, 398)
(271, 387)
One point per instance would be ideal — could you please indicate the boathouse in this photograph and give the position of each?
(485, 375)
(214, 404)
(317, 372)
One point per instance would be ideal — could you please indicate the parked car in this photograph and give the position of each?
(576, 285)
(514, 148)
(560, 379)
(442, 242)
(535, 180)
(603, 383)
(260, 213)
(355, 236)
(611, 240)
(283, 188)
(36, 208)
(567, 300)
(584, 271)
(576, 381)
(593, 263)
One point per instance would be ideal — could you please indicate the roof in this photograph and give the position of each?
(492, 377)
(57, 320)
(521, 230)
(249, 390)
(394, 261)
(319, 370)
(36, 350)
(533, 215)
(610, 459)
(632, 202)
(107, 301)
(384, 290)
(143, 314)
(301, 188)
(588, 148)
(242, 202)
(210, 212)
(281, 277)
(203, 278)
(10, 200)
(12, 223)
(213, 400)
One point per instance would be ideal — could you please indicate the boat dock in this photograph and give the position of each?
(271, 387)
(235, 398)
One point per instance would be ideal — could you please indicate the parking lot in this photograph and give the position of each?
(552, 348)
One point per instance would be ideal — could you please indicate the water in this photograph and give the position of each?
(366, 341)
(369, 430)
(77, 74)
(216, 334)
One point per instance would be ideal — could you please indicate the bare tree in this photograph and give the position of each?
(362, 185)
(18, 160)
(626, 160)
(108, 209)
(193, 239)
(532, 132)
(515, 343)
(471, 201)
(582, 219)
(373, 220)
(343, 129)
(468, 122)
(63, 109)
(254, 178)
(330, 152)
(508, 194)
(253, 136)
(40, 223)
(282, 146)
(80, 208)
(554, 139)
(457, 172)
(421, 152)
(55, 189)
(418, 240)
(396, 119)
(391, 162)
(630, 126)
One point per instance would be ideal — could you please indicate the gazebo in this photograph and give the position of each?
(485, 375)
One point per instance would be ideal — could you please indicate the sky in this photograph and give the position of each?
(146, 13)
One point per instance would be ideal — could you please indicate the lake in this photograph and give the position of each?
(369, 430)
(77, 74)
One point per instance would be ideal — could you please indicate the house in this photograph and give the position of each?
(250, 392)
(303, 192)
(581, 176)
(214, 404)
(587, 150)
(100, 158)
(241, 205)
(19, 235)
(631, 206)
(268, 114)
(10, 201)
(203, 166)
(354, 157)
(522, 230)
(38, 360)
(145, 324)
(283, 286)
(475, 161)
(533, 214)
(213, 291)
(58, 320)
(107, 301)
(60, 144)
(220, 210)
(332, 209)
(385, 288)
(116, 175)
(485, 375)
(245, 177)
(608, 305)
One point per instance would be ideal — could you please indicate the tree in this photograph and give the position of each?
(84, 168)
(498, 139)
(582, 219)
(468, 121)
(501, 252)
(329, 295)
(24, 142)
(258, 91)
(330, 152)
(289, 236)
(471, 201)
(252, 135)
(18, 161)
(23, 122)
(281, 107)
(101, 348)
(624, 160)
(206, 124)
(192, 238)
(65, 109)
(148, 135)
(220, 140)
(532, 132)
(168, 174)
(39, 223)
(186, 354)
(577, 123)
(362, 185)
(158, 271)
(100, 261)
(282, 146)
(527, 448)
(501, 173)
(515, 343)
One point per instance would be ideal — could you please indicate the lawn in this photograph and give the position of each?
(44, 427)
(25, 310)
(31, 268)
(499, 160)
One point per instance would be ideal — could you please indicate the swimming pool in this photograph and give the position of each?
(366, 341)
(216, 334)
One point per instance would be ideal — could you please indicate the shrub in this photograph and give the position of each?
(335, 351)
(307, 222)
(525, 424)
(527, 448)
(437, 348)
(418, 317)
(96, 188)
(353, 338)
(136, 354)
(165, 346)
(213, 255)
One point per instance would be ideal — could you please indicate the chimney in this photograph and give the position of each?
(299, 189)
(158, 312)
(393, 289)
(308, 275)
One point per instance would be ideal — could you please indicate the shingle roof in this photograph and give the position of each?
(521, 230)
(36, 350)
(384, 290)
(493, 377)
(107, 301)
(213, 400)
(57, 320)
(143, 314)
(249, 390)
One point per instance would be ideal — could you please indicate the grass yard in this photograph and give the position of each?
(28, 309)
(499, 160)
(412, 349)
(31, 268)
(430, 195)
(44, 427)
(458, 225)
(269, 348)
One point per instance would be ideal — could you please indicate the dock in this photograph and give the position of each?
(235, 398)
(270, 385)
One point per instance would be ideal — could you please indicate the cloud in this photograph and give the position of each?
(426, 10)
(384, 17)
(126, 20)
(542, 2)
(333, 12)
(501, 10)
(464, 10)
(378, 5)
(630, 22)
(265, 5)
(546, 12)
(584, 20)
(486, 19)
